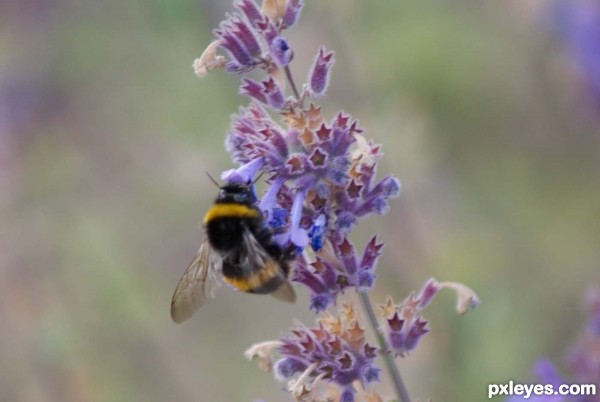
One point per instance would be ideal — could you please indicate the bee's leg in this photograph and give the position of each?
(289, 253)
(279, 230)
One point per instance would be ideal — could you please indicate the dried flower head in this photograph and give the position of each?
(208, 60)
(262, 352)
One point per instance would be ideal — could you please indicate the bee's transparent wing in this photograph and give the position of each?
(198, 283)
(285, 292)
(256, 257)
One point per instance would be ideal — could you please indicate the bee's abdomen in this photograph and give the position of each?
(265, 280)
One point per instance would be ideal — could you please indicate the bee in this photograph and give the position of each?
(240, 248)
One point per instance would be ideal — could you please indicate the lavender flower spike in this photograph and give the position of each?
(322, 180)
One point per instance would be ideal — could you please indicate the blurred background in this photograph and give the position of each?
(489, 113)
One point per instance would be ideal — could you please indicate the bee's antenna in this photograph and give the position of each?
(212, 179)
(258, 178)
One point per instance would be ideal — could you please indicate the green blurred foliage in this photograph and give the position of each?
(103, 189)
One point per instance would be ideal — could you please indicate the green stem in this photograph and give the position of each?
(386, 354)
(288, 74)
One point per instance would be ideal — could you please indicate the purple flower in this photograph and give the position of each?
(237, 38)
(318, 77)
(347, 395)
(251, 11)
(292, 12)
(405, 333)
(281, 51)
(405, 325)
(250, 39)
(336, 268)
(578, 26)
(582, 361)
(583, 358)
(317, 232)
(243, 174)
(547, 375)
(267, 92)
(335, 351)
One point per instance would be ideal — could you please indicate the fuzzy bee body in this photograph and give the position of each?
(241, 248)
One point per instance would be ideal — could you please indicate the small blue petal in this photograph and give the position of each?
(371, 373)
(281, 51)
(320, 302)
(287, 367)
(269, 200)
(316, 243)
(298, 236)
(391, 188)
(322, 190)
(547, 372)
(278, 218)
(366, 280)
(244, 173)
(345, 221)
(347, 395)
(316, 233)
(381, 206)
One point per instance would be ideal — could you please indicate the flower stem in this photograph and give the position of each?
(388, 358)
(288, 74)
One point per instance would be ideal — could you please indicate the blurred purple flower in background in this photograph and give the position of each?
(582, 360)
(577, 23)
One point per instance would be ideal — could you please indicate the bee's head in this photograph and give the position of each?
(237, 193)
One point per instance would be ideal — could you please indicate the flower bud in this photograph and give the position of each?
(318, 77)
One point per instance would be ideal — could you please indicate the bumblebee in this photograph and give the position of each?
(240, 248)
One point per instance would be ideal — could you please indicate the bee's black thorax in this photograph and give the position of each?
(232, 213)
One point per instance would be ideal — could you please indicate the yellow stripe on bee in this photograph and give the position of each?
(256, 280)
(229, 211)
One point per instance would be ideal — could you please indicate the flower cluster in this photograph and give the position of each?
(252, 38)
(318, 170)
(336, 351)
(582, 360)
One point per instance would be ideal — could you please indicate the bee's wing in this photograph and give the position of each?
(285, 292)
(256, 257)
(198, 283)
